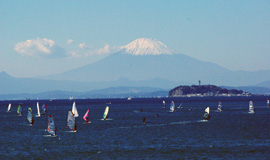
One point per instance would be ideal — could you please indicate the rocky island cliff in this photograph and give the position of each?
(204, 90)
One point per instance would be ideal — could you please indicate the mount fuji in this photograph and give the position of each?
(150, 60)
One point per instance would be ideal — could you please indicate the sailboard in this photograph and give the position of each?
(38, 111)
(206, 115)
(164, 104)
(219, 107)
(9, 107)
(30, 116)
(44, 108)
(19, 110)
(251, 107)
(268, 102)
(71, 124)
(86, 117)
(105, 115)
(51, 126)
(172, 107)
(74, 110)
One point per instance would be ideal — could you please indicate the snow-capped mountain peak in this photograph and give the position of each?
(147, 46)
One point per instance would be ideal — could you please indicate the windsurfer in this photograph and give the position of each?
(144, 120)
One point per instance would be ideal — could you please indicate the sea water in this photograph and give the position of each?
(231, 134)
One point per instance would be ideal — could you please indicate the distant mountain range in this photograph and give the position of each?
(144, 63)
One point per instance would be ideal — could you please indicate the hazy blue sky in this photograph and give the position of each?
(40, 37)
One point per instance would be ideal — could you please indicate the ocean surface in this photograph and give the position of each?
(231, 134)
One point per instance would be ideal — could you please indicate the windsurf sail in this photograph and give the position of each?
(74, 110)
(51, 127)
(44, 108)
(268, 102)
(251, 107)
(219, 106)
(38, 112)
(19, 110)
(30, 116)
(172, 106)
(71, 121)
(86, 116)
(105, 115)
(9, 107)
(206, 115)
(164, 105)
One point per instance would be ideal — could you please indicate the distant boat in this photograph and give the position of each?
(51, 127)
(268, 102)
(74, 110)
(164, 105)
(172, 106)
(105, 115)
(219, 107)
(38, 112)
(44, 108)
(9, 107)
(251, 107)
(30, 116)
(86, 117)
(206, 115)
(19, 110)
(129, 98)
(180, 106)
(71, 122)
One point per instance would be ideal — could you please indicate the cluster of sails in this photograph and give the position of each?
(71, 123)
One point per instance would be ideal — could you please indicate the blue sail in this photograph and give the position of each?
(71, 121)
(44, 108)
(30, 116)
(51, 127)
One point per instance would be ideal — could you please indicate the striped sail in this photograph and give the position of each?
(86, 116)
(51, 127)
(74, 110)
(105, 115)
(44, 108)
(251, 107)
(30, 116)
(71, 121)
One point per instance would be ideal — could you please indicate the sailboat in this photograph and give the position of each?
(172, 107)
(74, 110)
(206, 115)
(219, 107)
(9, 107)
(86, 117)
(30, 117)
(38, 112)
(51, 127)
(19, 110)
(251, 107)
(71, 124)
(164, 105)
(105, 115)
(44, 108)
(268, 102)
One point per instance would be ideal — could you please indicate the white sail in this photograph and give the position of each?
(207, 110)
(251, 107)
(38, 112)
(268, 102)
(9, 107)
(172, 107)
(105, 115)
(74, 110)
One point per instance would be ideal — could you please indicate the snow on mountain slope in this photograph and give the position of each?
(146, 46)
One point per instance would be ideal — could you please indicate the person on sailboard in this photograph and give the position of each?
(106, 117)
(144, 120)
